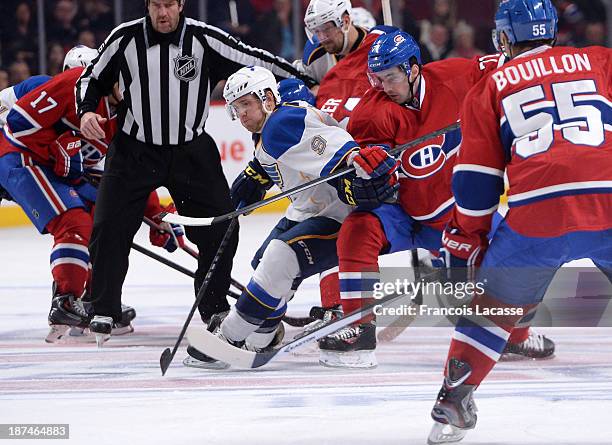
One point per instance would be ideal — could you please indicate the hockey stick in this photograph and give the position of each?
(399, 325)
(291, 321)
(386, 10)
(209, 344)
(173, 265)
(192, 252)
(191, 221)
(167, 355)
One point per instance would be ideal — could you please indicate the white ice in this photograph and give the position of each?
(117, 394)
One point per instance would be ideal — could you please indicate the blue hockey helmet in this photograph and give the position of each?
(525, 20)
(393, 49)
(292, 90)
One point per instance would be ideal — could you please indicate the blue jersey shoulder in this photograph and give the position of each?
(384, 29)
(283, 130)
(312, 51)
(24, 87)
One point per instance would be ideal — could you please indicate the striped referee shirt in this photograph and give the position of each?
(166, 79)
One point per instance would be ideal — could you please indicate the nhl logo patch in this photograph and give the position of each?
(186, 68)
(318, 145)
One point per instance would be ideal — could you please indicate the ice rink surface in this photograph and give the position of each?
(117, 394)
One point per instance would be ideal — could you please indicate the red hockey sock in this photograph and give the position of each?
(329, 286)
(70, 255)
(360, 241)
(479, 340)
(519, 335)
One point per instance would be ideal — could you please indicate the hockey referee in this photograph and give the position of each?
(166, 66)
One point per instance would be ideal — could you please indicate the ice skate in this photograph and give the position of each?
(102, 328)
(322, 316)
(350, 347)
(536, 346)
(197, 359)
(455, 411)
(66, 312)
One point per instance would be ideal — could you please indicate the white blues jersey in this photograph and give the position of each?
(299, 143)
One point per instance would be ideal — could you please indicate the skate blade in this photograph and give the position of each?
(349, 360)
(56, 332)
(191, 362)
(445, 433)
(101, 339)
(123, 330)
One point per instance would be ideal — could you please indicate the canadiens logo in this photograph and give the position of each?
(318, 145)
(423, 162)
(186, 68)
(398, 39)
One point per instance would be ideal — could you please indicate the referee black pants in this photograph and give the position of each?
(193, 175)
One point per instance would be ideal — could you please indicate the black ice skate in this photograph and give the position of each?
(536, 346)
(455, 411)
(102, 327)
(350, 347)
(322, 316)
(66, 312)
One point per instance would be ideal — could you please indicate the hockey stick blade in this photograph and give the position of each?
(191, 221)
(174, 218)
(207, 343)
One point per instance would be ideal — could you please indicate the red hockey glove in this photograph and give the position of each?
(66, 152)
(372, 162)
(165, 238)
(461, 253)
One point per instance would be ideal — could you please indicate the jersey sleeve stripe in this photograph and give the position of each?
(567, 189)
(339, 157)
(485, 212)
(479, 169)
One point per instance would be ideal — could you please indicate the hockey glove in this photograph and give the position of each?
(367, 193)
(461, 253)
(251, 185)
(66, 152)
(372, 162)
(165, 238)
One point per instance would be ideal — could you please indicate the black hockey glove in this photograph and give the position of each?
(367, 193)
(251, 185)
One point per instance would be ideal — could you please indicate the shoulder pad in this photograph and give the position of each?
(383, 29)
(283, 129)
(312, 51)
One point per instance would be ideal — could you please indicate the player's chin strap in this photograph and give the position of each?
(414, 101)
(345, 37)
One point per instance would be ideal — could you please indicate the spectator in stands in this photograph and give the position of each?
(273, 31)
(463, 42)
(55, 58)
(234, 16)
(87, 38)
(18, 42)
(436, 38)
(97, 17)
(18, 72)
(62, 26)
(4, 79)
(594, 34)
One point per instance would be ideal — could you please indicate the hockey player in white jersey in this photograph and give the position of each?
(294, 144)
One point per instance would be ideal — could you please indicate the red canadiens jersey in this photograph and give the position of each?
(345, 84)
(426, 170)
(42, 115)
(544, 119)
